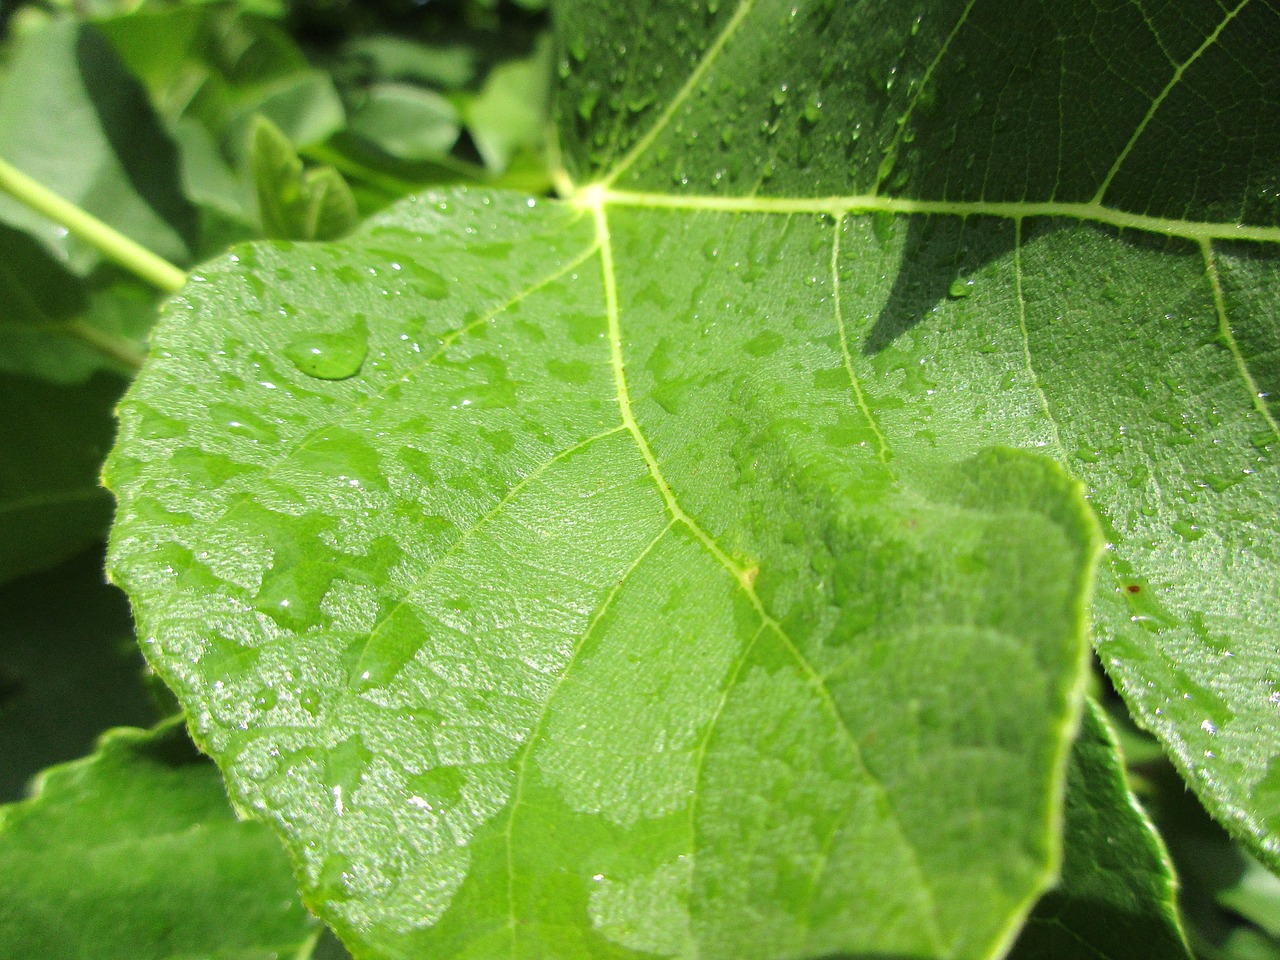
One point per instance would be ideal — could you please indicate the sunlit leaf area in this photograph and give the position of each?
(580, 480)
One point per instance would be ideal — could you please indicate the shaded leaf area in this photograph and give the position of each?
(65, 86)
(160, 868)
(1116, 896)
(544, 617)
(1040, 219)
(1157, 109)
(61, 328)
(54, 439)
(68, 671)
(1229, 900)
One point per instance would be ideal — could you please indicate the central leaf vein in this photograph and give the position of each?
(745, 577)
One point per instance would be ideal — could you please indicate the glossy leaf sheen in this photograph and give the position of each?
(662, 582)
(134, 853)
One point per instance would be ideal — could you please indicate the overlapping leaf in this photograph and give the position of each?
(1044, 224)
(1116, 898)
(134, 853)
(636, 575)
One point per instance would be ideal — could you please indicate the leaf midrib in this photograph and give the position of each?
(745, 577)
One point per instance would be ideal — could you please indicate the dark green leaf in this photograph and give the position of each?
(1116, 897)
(134, 853)
(53, 440)
(69, 669)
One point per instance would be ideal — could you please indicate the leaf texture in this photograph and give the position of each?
(654, 573)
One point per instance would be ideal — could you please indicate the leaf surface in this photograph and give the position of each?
(1116, 897)
(651, 573)
(511, 681)
(1059, 231)
(134, 853)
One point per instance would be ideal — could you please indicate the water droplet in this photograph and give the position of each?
(330, 356)
(960, 287)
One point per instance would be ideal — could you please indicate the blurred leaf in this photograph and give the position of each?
(392, 57)
(1256, 897)
(135, 853)
(407, 122)
(72, 117)
(59, 328)
(72, 669)
(218, 66)
(511, 112)
(53, 440)
(298, 204)
(1116, 895)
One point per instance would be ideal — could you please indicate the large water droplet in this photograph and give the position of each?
(330, 356)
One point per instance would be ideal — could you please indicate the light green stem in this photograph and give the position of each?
(109, 242)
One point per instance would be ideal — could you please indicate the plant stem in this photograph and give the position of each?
(109, 242)
(115, 348)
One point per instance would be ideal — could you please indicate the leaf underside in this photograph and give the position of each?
(683, 569)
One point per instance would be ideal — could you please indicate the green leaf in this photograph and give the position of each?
(393, 57)
(1256, 897)
(217, 66)
(64, 87)
(54, 439)
(134, 853)
(650, 573)
(294, 203)
(1030, 257)
(1116, 897)
(60, 328)
(68, 670)
(464, 594)
(407, 122)
(509, 114)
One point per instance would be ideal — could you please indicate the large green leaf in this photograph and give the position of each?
(1116, 897)
(649, 573)
(1058, 230)
(519, 661)
(134, 853)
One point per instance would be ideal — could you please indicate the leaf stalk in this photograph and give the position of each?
(111, 243)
